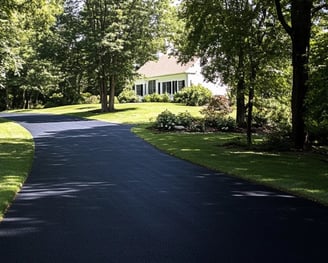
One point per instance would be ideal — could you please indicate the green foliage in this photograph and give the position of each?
(215, 114)
(195, 95)
(165, 97)
(272, 114)
(166, 121)
(316, 118)
(217, 106)
(156, 98)
(22, 26)
(88, 98)
(185, 119)
(56, 99)
(118, 36)
(152, 98)
(216, 121)
(127, 96)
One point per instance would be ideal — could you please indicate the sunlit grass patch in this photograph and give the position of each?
(304, 174)
(16, 155)
(129, 113)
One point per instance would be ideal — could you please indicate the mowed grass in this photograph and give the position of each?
(304, 174)
(16, 155)
(130, 113)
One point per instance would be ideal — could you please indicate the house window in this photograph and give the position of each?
(181, 84)
(167, 87)
(151, 86)
(139, 90)
(159, 88)
(174, 87)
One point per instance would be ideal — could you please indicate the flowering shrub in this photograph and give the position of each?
(225, 124)
(166, 120)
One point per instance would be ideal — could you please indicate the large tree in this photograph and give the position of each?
(23, 24)
(301, 13)
(237, 41)
(118, 36)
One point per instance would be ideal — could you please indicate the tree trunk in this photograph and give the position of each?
(103, 95)
(299, 32)
(7, 98)
(250, 104)
(250, 115)
(301, 28)
(240, 93)
(241, 109)
(111, 106)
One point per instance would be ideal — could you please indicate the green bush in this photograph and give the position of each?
(166, 120)
(156, 98)
(56, 99)
(217, 109)
(184, 119)
(193, 96)
(218, 122)
(127, 96)
(88, 98)
(225, 124)
(165, 97)
(272, 114)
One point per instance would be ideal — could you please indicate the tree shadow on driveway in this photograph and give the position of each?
(98, 193)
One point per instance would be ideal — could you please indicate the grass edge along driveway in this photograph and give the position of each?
(303, 174)
(299, 173)
(16, 157)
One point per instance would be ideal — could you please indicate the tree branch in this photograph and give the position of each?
(316, 9)
(281, 18)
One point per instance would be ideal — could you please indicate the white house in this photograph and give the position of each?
(166, 75)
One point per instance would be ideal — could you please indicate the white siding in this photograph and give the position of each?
(192, 76)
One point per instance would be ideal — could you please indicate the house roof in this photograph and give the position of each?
(165, 65)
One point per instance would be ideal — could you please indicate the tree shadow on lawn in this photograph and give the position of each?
(97, 112)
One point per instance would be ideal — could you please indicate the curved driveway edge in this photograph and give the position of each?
(98, 193)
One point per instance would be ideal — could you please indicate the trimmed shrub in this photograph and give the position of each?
(127, 96)
(225, 124)
(166, 120)
(165, 97)
(156, 98)
(193, 96)
(184, 119)
(219, 122)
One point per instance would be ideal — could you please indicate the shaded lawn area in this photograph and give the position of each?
(16, 155)
(304, 174)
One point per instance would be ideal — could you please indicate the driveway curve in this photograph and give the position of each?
(98, 193)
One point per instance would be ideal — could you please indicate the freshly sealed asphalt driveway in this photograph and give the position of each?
(97, 193)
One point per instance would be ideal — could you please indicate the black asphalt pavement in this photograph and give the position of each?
(97, 193)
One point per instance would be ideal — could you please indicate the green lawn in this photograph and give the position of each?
(130, 113)
(16, 155)
(304, 174)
